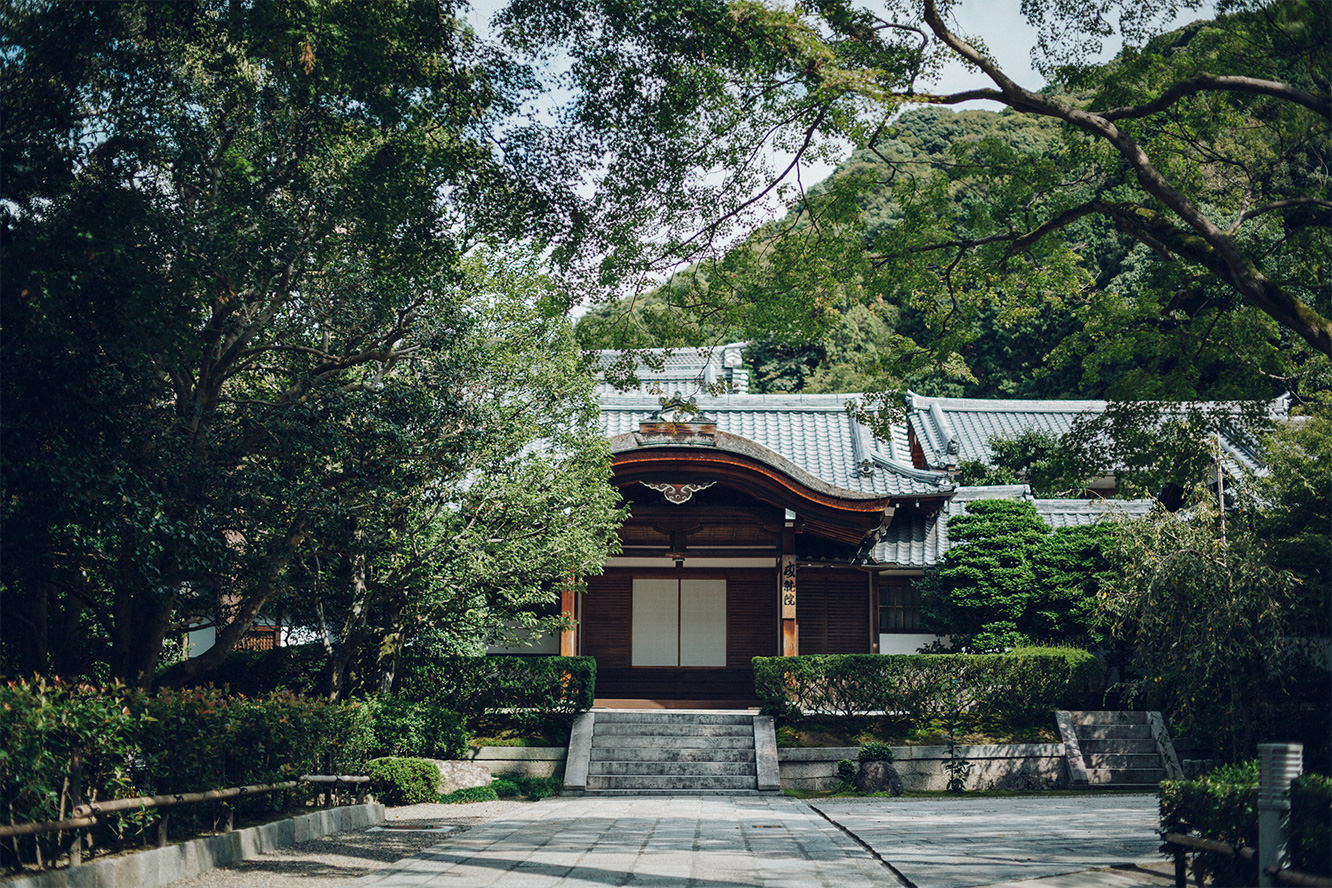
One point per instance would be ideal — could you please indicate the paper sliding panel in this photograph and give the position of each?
(702, 622)
(656, 626)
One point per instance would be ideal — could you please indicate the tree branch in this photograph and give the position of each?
(1320, 105)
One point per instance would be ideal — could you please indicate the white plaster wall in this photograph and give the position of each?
(904, 642)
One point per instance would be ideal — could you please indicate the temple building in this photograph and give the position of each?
(777, 524)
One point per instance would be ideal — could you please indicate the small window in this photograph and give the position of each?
(899, 605)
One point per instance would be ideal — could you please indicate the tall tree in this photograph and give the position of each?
(1206, 147)
(225, 226)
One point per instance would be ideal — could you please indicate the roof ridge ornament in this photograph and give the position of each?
(677, 421)
(678, 408)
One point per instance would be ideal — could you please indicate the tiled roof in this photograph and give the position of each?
(685, 370)
(918, 541)
(815, 432)
(955, 430)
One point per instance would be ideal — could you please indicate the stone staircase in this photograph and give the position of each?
(1117, 749)
(646, 752)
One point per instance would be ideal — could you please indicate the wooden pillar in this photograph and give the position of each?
(568, 638)
(786, 589)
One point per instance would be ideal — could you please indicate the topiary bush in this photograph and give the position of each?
(403, 781)
(876, 752)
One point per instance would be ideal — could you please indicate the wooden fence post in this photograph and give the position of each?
(76, 799)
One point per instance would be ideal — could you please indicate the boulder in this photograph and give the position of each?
(454, 775)
(878, 777)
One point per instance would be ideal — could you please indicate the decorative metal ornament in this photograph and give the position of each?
(676, 494)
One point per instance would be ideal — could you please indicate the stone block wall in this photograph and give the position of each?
(995, 766)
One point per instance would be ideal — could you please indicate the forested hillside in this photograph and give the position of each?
(831, 299)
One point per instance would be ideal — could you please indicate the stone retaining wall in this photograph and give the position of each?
(996, 766)
(529, 761)
(162, 866)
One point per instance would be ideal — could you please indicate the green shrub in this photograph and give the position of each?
(505, 788)
(846, 774)
(403, 781)
(538, 788)
(470, 794)
(1309, 824)
(302, 669)
(1016, 689)
(538, 694)
(1221, 805)
(876, 752)
(132, 744)
(426, 730)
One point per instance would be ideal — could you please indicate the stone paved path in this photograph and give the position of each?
(965, 842)
(707, 842)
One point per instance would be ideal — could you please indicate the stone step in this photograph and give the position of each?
(671, 729)
(1114, 732)
(1120, 776)
(671, 792)
(1123, 760)
(708, 753)
(634, 716)
(1108, 717)
(664, 769)
(600, 742)
(1123, 746)
(676, 782)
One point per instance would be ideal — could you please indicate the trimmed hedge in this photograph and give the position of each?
(1220, 805)
(399, 780)
(423, 730)
(134, 744)
(1018, 688)
(1309, 824)
(1223, 805)
(528, 693)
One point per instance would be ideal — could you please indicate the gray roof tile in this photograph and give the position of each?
(813, 431)
(954, 430)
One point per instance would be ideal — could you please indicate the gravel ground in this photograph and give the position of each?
(350, 855)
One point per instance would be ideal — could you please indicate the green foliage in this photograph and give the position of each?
(469, 794)
(505, 788)
(404, 781)
(1009, 580)
(1221, 805)
(846, 772)
(538, 788)
(1034, 457)
(533, 693)
(413, 729)
(135, 744)
(876, 752)
(1211, 622)
(986, 690)
(282, 293)
(1309, 824)
(1294, 506)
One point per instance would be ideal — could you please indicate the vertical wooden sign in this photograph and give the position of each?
(788, 587)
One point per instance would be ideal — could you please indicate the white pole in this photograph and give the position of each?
(1278, 764)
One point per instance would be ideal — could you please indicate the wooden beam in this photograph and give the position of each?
(568, 640)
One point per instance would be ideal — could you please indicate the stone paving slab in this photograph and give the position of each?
(991, 841)
(706, 842)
